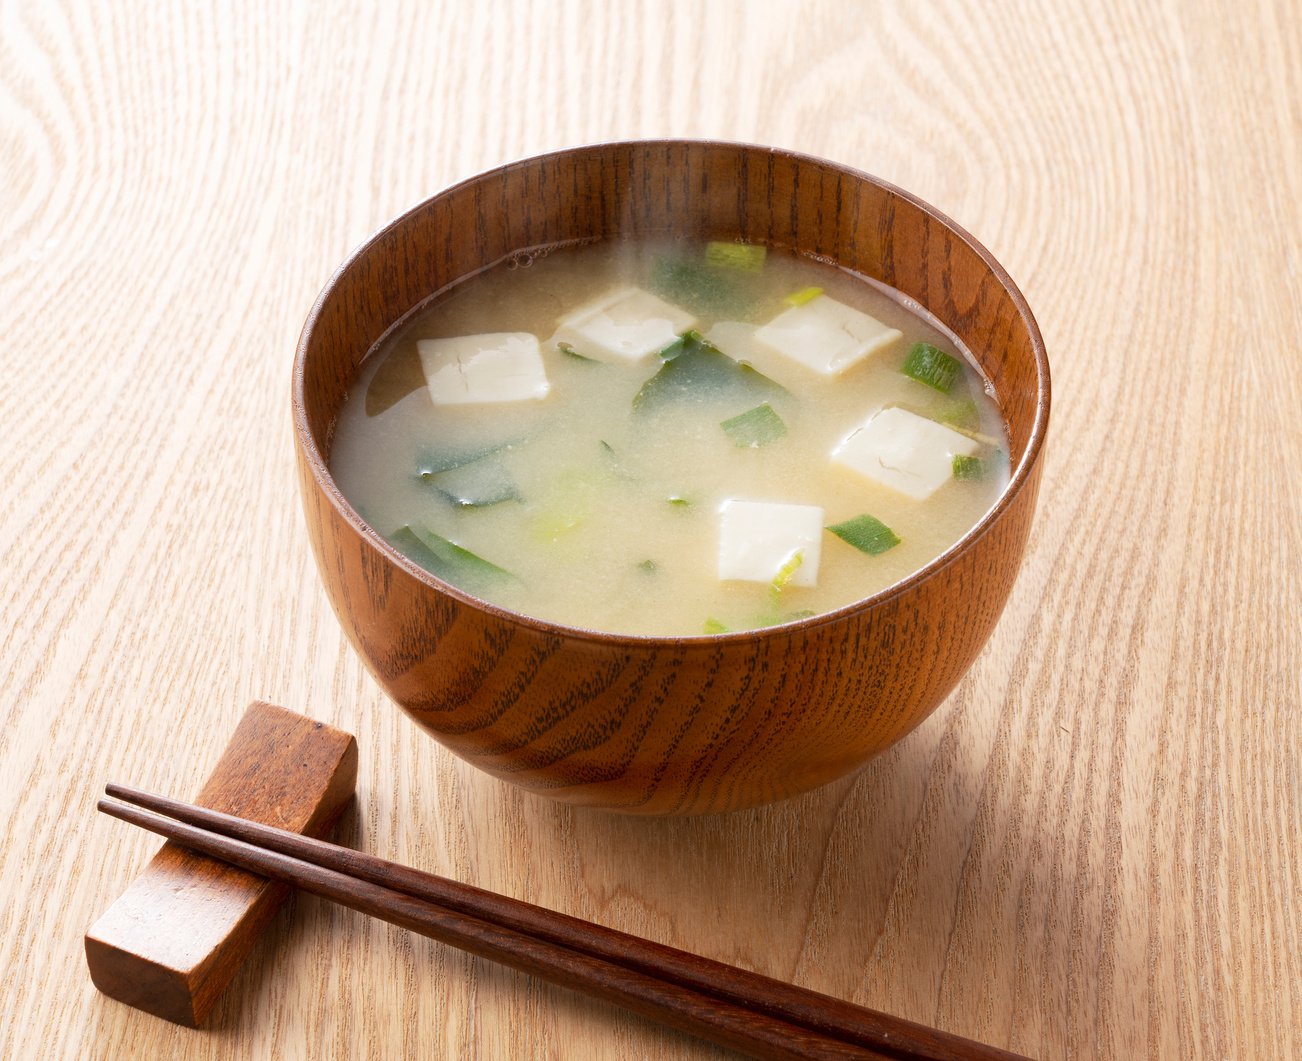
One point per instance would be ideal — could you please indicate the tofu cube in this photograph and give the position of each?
(624, 326)
(756, 538)
(494, 367)
(825, 335)
(737, 340)
(903, 451)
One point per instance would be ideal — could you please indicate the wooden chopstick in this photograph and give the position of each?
(720, 1022)
(727, 1005)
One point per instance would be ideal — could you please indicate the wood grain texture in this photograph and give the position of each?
(720, 1003)
(1093, 849)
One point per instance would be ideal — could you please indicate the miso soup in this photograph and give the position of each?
(670, 438)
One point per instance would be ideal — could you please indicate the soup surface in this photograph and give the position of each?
(670, 438)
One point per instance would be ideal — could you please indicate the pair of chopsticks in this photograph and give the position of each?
(755, 1014)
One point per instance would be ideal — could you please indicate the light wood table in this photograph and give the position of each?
(1093, 849)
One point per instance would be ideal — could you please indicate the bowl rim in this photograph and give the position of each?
(1018, 480)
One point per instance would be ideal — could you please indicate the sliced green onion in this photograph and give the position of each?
(805, 294)
(713, 626)
(867, 534)
(571, 498)
(678, 501)
(648, 567)
(966, 467)
(745, 257)
(445, 558)
(786, 572)
(962, 415)
(773, 614)
(930, 365)
(755, 427)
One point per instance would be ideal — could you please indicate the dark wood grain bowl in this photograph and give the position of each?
(668, 725)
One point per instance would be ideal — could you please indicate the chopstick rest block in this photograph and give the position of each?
(179, 933)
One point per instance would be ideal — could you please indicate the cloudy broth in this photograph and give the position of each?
(610, 501)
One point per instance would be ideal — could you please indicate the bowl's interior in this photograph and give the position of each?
(685, 189)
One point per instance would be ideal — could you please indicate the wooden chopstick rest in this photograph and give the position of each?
(179, 933)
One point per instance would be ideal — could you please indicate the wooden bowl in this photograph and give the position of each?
(669, 725)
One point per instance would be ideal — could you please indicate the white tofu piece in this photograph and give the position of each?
(826, 335)
(494, 367)
(756, 538)
(903, 451)
(737, 340)
(623, 326)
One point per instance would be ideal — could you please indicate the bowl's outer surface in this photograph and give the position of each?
(664, 725)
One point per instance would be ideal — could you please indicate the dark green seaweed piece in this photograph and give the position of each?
(867, 534)
(444, 460)
(930, 365)
(445, 558)
(476, 485)
(704, 289)
(702, 372)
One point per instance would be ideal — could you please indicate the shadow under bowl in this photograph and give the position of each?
(669, 725)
